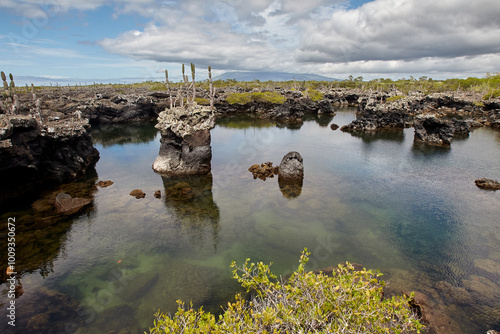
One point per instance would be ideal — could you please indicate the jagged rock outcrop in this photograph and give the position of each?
(374, 115)
(60, 150)
(119, 108)
(433, 130)
(294, 109)
(378, 119)
(185, 143)
(460, 127)
(290, 111)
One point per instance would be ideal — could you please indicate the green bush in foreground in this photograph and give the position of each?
(348, 302)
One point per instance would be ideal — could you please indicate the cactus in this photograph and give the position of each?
(194, 84)
(211, 89)
(180, 88)
(4, 79)
(12, 100)
(168, 89)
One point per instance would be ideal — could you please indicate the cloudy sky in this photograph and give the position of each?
(99, 39)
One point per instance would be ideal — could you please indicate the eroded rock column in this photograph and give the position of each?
(185, 141)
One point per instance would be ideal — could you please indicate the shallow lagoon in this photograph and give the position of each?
(410, 210)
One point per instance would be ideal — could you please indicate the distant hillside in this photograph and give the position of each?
(273, 76)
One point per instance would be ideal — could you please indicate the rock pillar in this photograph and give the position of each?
(185, 141)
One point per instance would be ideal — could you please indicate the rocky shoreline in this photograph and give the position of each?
(385, 109)
(34, 154)
(48, 141)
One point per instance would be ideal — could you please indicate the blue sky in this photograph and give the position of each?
(135, 40)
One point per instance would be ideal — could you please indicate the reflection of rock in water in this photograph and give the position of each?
(191, 200)
(290, 188)
(41, 230)
(394, 135)
(43, 311)
(119, 134)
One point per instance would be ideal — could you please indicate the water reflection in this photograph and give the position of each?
(121, 134)
(41, 230)
(244, 122)
(323, 120)
(290, 126)
(426, 151)
(190, 198)
(394, 135)
(41, 238)
(290, 188)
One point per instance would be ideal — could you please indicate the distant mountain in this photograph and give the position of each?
(273, 76)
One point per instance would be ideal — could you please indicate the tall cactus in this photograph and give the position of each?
(12, 100)
(12, 85)
(211, 89)
(5, 84)
(180, 87)
(168, 88)
(194, 84)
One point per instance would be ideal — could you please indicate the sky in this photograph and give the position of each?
(136, 40)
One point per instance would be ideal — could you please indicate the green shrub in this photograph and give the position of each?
(395, 98)
(492, 94)
(314, 95)
(201, 101)
(241, 98)
(267, 97)
(348, 302)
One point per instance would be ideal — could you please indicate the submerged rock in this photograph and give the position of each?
(488, 184)
(137, 193)
(104, 184)
(45, 311)
(436, 321)
(68, 205)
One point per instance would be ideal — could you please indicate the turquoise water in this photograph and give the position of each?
(411, 211)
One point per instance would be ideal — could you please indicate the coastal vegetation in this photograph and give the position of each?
(243, 98)
(349, 301)
(314, 95)
(486, 88)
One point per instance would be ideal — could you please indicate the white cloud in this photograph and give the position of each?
(403, 30)
(320, 36)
